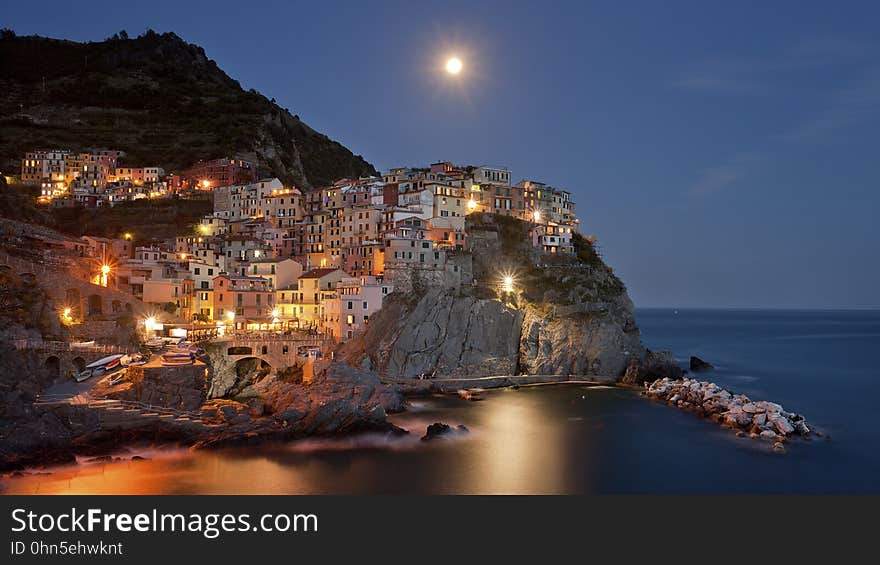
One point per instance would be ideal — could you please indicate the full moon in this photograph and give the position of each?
(453, 66)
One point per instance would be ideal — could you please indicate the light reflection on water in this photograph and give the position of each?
(513, 446)
(574, 439)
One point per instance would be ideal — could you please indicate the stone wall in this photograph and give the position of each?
(458, 271)
(183, 387)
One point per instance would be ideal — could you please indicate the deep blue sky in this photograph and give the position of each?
(724, 154)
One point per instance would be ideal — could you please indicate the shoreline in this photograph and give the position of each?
(107, 442)
(419, 387)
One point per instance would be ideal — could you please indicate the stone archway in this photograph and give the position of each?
(252, 366)
(79, 363)
(52, 366)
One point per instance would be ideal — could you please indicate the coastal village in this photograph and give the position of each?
(275, 258)
(276, 278)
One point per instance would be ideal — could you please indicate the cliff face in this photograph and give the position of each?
(444, 331)
(158, 98)
(567, 316)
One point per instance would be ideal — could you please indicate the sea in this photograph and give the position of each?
(573, 439)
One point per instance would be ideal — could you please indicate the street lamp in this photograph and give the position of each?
(507, 283)
(105, 270)
(150, 324)
(537, 215)
(472, 204)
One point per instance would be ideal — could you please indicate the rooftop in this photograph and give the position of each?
(318, 273)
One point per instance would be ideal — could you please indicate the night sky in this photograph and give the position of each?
(723, 154)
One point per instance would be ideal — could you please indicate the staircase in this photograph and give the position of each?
(124, 414)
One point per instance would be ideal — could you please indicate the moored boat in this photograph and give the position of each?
(177, 359)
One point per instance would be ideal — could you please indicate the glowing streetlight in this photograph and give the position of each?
(128, 236)
(67, 312)
(150, 324)
(537, 215)
(206, 184)
(507, 283)
(472, 204)
(105, 270)
(205, 229)
(454, 65)
(230, 316)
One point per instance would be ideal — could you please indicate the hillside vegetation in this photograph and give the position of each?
(159, 99)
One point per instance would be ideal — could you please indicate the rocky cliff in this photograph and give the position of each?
(158, 98)
(567, 315)
(443, 331)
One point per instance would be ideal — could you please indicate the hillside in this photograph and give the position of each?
(159, 99)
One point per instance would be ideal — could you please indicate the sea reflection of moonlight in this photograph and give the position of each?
(453, 66)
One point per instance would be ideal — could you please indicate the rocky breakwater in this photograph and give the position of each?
(757, 419)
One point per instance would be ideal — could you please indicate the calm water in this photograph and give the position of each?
(574, 439)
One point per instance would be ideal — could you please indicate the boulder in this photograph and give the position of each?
(783, 426)
(439, 430)
(653, 365)
(698, 364)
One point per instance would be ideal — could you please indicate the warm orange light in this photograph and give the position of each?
(105, 270)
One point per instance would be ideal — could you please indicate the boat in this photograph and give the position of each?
(135, 359)
(155, 343)
(105, 361)
(82, 375)
(189, 348)
(178, 358)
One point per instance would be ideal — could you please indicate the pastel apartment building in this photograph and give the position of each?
(248, 298)
(348, 309)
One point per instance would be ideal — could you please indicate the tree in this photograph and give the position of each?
(7, 33)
